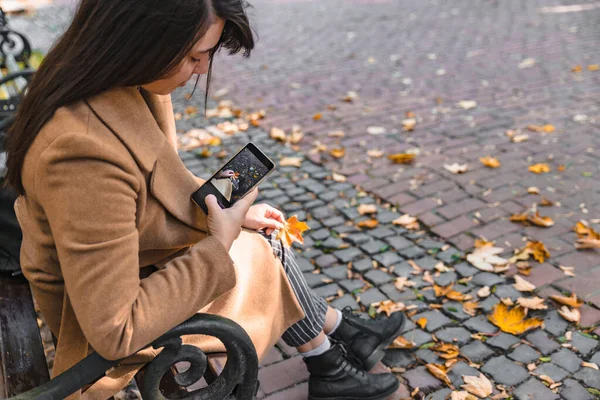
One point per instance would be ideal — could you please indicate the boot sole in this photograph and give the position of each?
(380, 396)
(379, 351)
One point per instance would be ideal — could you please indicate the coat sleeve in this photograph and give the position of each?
(88, 193)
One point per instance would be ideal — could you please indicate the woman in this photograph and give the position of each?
(114, 248)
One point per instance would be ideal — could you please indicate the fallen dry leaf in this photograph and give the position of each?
(374, 153)
(278, 134)
(462, 395)
(375, 130)
(402, 158)
(350, 97)
(439, 371)
(570, 314)
(536, 249)
(538, 220)
(457, 296)
(338, 152)
(336, 134)
(485, 258)
(317, 116)
(587, 243)
(484, 292)
(576, 69)
(533, 303)
(513, 320)
(594, 67)
(571, 301)
(409, 124)
(292, 231)
(479, 386)
(507, 301)
(542, 128)
(441, 291)
(422, 322)
(401, 343)
(297, 135)
(470, 307)
(490, 162)
(522, 285)
(533, 190)
(388, 307)
(367, 209)
(402, 283)
(457, 168)
(291, 162)
(407, 222)
(467, 104)
(569, 271)
(446, 351)
(482, 243)
(338, 177)
(590, 365)
(539, 168)
(369, 223)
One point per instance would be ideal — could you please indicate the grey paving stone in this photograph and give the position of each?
(440, 395)
(542, 342)
(388, 259)
(371, 296)
(487, 279)
(411, 252)
(431, 244)
(450, 256)
(555, 372)
(476, 351)
(325, 260)
(312, 253)
(328, 196)
(456, 335)
(304, 264)
(505, 371)
(393, 294)
(455, 309)
(382, 232)
(428, 356)
(337, 273)
(348, 254)
(314, 280)
(350, 213)
(398, 358)
(596, 358)
(584, 345)
(378, 277)
(567, 360)
(344, 229)
(428, 263)
(503, 341)
(480, 324)
(524, 353)
(504, 291)
(572, 390)
(358, 238)
(327, 290)
(445, 278)
(332, 243)
(489, 303)
(589, 376)
(362, 265)
(409, 326)
(418, 336)
(332, 221)
(555, 324)
(465, 270)
(345, 301)
(534, 390)
(435, 320)
(374, 246)
(422, 379)
(351, 285)
(385, 216)
(404, 270)
(458, 370)
(398, 242)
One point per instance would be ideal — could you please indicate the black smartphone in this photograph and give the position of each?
(245, 170)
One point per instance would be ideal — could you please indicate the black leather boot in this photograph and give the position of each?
(336, 375)
(368, 338)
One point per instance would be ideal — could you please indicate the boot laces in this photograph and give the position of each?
(349, 317)
(352, 360)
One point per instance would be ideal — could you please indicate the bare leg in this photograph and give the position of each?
(330, 320)
(313, 344)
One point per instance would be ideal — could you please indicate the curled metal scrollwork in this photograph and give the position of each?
(12, 43)
(237, 381)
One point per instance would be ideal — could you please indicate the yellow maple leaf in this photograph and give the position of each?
(513, 320)
(490, 162)
(402, 158)
(422, 322)
(292, 231)
(539, 168)
(446, 351)
(338, 152)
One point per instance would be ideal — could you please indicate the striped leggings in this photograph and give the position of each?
(313, 305)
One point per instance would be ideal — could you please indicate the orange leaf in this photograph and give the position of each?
(370, 223)
(401, 343)
(513, 321)
(446, 351)
(409, 124)
(539, 168)
(402, 158)
(457, 296)
(571, 301)
(479, 243)
(317, 117)
(278, 134)
(490, 162)
(388, 307)
(439, 371)
(594, 67)
(338, 152)
(470, 307)
(442, 290)
(546, 203)
(292, 231)
(571, 315)
(541, 221)
(422, 322)
(518, 218)
(576, 69)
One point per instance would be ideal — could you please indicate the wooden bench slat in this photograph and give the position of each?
(21, 349)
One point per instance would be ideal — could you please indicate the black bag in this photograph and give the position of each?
(10, 231)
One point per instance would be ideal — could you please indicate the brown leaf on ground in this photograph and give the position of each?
(522, 285)
(297, 135)
(369, 223)
(486, 258)
(518, 218)
(479, 386)
(446, 351)
(402, 158)
(375, 153)
(317, 116)
(338, 152)
(587, 243)
(490, 162)
(350, 97)
(292, 231)
(542, 128)
(533, 303)
(440, 291)
(594, 67)
(388, 307)
(539, 168)
(538, 220)
(479, 243)
(440, 372)
(536, 249)
(291, 162)
(336, 134)
(409, 124)
(533, 190)
(545, 202)
(407, 222)
(470, 308)
(456, 168)
(571, 301)
(278, 134)
(403, 283)
(576, 69)
(457, 296)
(484, 292)
(422, 322)
(569, 271)
(570, 314)
(513, 320)
(367, 209)
(401, 343)
(338, 177)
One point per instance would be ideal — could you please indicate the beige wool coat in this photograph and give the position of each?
(107, 194)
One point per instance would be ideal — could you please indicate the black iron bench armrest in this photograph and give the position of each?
(238, 379)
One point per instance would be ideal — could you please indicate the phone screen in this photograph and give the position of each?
(239, 175)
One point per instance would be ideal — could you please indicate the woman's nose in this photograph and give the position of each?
(202, 67)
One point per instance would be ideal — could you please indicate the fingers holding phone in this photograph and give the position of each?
(226, 223)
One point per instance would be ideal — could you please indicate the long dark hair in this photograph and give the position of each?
(118, 43)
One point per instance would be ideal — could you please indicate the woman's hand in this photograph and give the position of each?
(261, 216)
(226, 224)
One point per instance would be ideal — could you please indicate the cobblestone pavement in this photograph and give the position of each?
(301, 67)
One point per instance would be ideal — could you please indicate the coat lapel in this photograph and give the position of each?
(145, 124)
